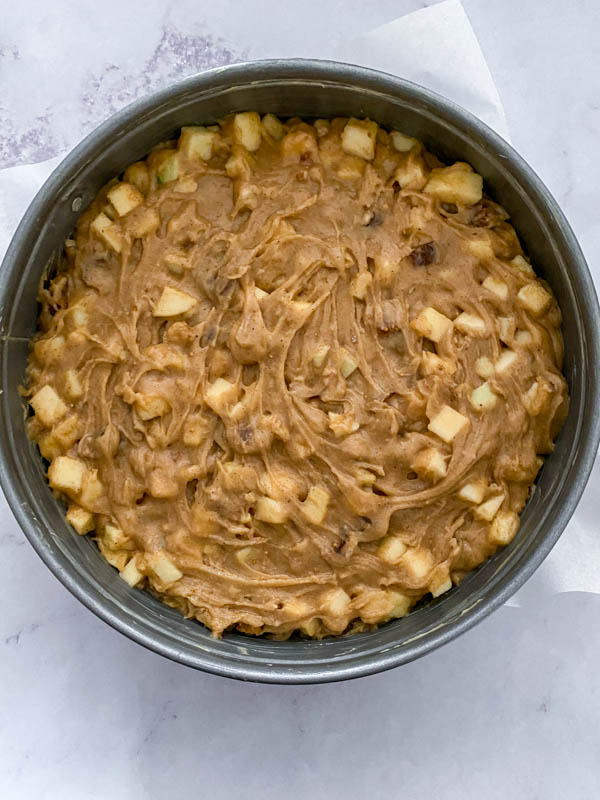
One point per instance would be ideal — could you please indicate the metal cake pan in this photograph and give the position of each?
(309, 89)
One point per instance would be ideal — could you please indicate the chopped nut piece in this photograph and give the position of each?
(358, 138)
(149, 406)
(196, 142)
(470, 324)
(484, 367)
(430, 464)
(320, 355)
(483, 398)
(488, 510)
(273, 126)
(172, 303)
(346, 363)
(431, 324)
(314, 507)
(107, 231)
(495, 286)
(448, 423)
(164, 569)
(125, 198)
(504, 527)
(473, 492)
(456, 184)
(247, 130)
(220, 394)
(66, 474)
(534, 298)
(391, 549)
(269, 510)
(505, 361)
(401, 142)
(48, 406)
(80, 519)
(342, 424)
(360, 284)
(336, 602)
(130, 573)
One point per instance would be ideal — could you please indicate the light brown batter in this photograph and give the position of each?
(295, 377)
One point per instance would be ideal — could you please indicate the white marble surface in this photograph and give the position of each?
(509, 710)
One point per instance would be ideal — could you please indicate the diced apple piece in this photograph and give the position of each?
(196, 142)
(125, 197)
(456, 184)
(505, 361)
(162, 484)
(346, 363)
(130, 573)
(114, 538)
(376, 607)
(401, 604)
(79, 316)
(168, 166)
(336, 602)
(504, 527)
(142, 221)
(297, 608)
(418, 562)
(537, 397)
(360, 285)
(431, 324)
(80, 519)
(320, 355)
(92, 489)
(269, 510)
(432, 364)
(487, 511)
(220, 395)
(484, 367)
(342, 424)
(273, 126)
(506, 329)
(173, 302)
(430, 464)
(48, 406)
(359, 137)
(473, 492)
(483, 398)
(523, 266)
(523, 338)
(185, 185)
(138, 175)
(49, 350)
(164, 569)
(481, 249)
(411, 175)
(149, 406)
(260, 293)
(401, 142)
(440, 583)
(66, 474)
(194, 431)
(496, 286)
(470, 324)
(391, 549)
(534, 298)
(247, 130)
(448, 423)
(106, 229)
(314, 507)
(365, 477)
(67, 432)
(386, 269)
(239, 163)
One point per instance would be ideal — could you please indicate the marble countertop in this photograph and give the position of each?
(510, 709)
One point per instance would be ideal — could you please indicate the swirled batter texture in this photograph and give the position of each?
(295, 377)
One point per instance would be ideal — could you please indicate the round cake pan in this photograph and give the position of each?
(308, 89)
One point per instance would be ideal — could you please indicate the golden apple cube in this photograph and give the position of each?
(273, 126)
(483, 398)
(448, 423)
(523, 266)
(411, 175)
(401, 604)
(66, 474)
(440, 583)
(534, 298)
(455, 184)
(418, 562)
(391, 549)
(360, 285)
(487, 511)
(269, 510)
(506, 329)
(114, 538)
(342, 424)
(470, 324)
(92, 489)
(496, 287)
(220, 395)
(473, 492)
(138, 175)
(197, 142)
(247, 130)
(142, 221)
(125, 197)
(320, 355)
(164, 569)
(430, 464)
(48, 406)
(315, 506)
(504, 527)
(346, 363)
(432, 364)
(523, 338)
(359, 138)
(481, 249)
(168, 166)
(194, 431)
(172, 303)
(48, 350)
(484, 367)
(149, 406)
(401, 142)
(80, 519)
(505, 361)
(336, 602)
(130, 573)
(106, 229)
(431, 324)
